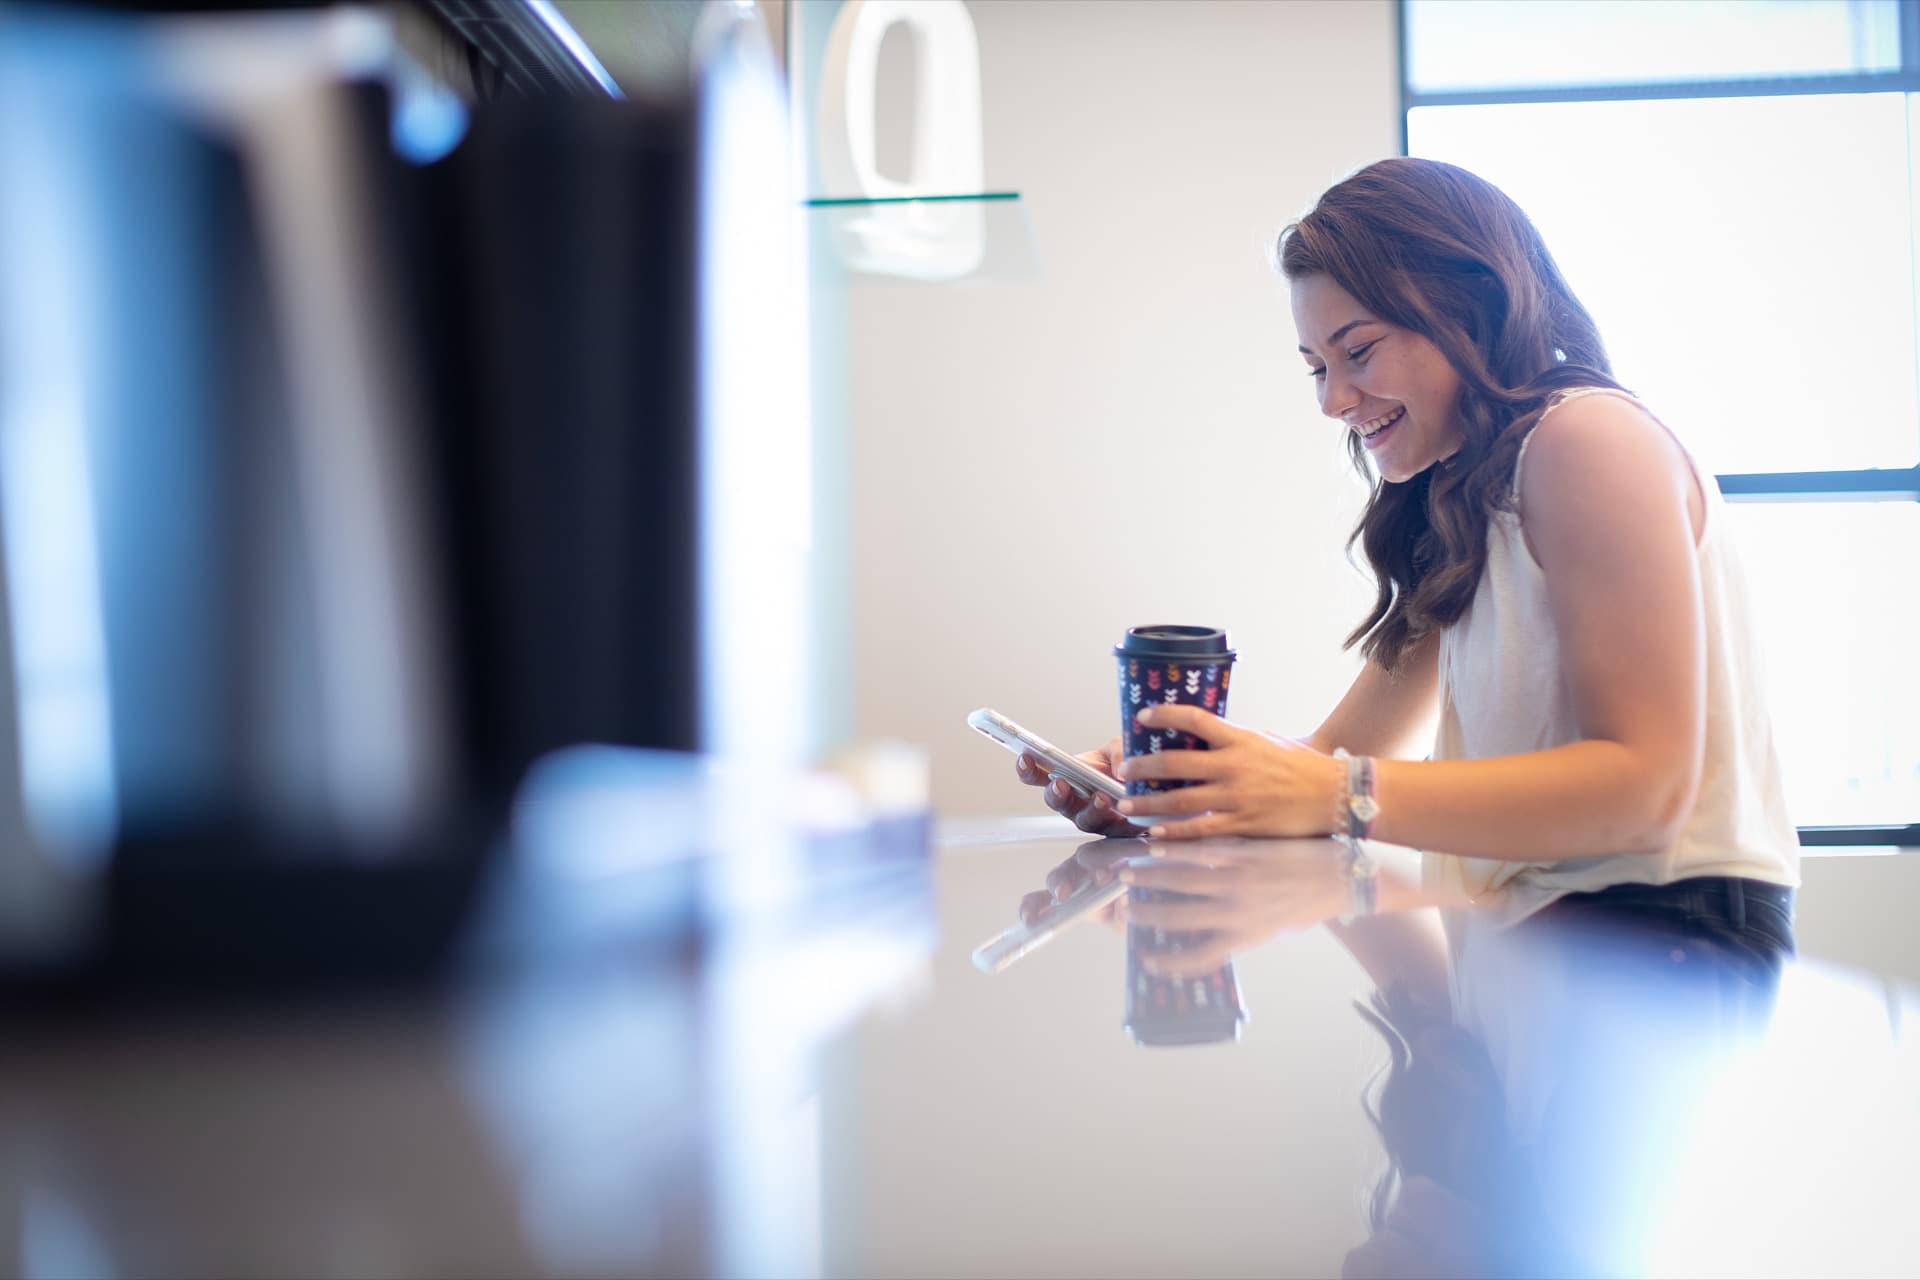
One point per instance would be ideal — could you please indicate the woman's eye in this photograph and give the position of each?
(1317, 371)
(1360, 352)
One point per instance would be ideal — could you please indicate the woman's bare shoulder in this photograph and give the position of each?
(1600, 442)
(1598, 459)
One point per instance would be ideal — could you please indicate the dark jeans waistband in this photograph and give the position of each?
(1757, 912)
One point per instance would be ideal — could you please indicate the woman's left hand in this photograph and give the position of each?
(1248, 784)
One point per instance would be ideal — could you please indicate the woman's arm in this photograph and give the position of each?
(1381, 715)
(1611, 512)
(1392, 716)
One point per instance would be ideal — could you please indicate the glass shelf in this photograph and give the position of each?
(974, 238)
(831, 202)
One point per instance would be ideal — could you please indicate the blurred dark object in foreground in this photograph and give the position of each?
(339, 483)
(556, 250)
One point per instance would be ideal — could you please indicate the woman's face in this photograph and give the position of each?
(1391, 386)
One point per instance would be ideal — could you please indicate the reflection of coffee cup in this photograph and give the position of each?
(1158, 666)
(1201, 1009)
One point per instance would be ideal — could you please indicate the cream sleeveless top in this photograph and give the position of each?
(1503, 692)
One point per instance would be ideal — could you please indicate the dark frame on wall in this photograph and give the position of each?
(1900, 484)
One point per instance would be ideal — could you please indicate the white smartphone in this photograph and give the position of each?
(1023, 939)
(1077, 774)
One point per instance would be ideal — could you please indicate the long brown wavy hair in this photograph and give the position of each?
(1432, 248)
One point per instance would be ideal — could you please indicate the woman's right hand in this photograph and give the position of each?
(1096, 816)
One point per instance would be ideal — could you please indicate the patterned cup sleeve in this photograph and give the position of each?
(1148, 682)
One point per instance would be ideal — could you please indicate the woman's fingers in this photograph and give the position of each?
(1033, 771)
(1201, 828)
(1063, 799)
(1060, 797)
(1033, 904)
(1204, 725)
(1029, 769)
(1204, 766)
(1098, 817)
(1180, 800)
(1092, 816)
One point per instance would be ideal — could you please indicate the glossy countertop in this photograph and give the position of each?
(1568, 1103)
(624, 1079)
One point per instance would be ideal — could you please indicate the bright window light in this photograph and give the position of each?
(1729, 185)
(1753, 279)
(1481, 45)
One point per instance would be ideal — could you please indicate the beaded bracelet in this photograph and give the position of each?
(1354, 823)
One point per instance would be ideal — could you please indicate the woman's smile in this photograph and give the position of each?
(1373, 432)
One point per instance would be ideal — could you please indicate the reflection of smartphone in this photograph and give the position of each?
(1078, 774)
(997, 953)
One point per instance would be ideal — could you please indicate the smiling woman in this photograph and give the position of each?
(1391, 386)
(1557, 592)
(1450, 274)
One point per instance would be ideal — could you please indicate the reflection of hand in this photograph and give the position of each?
(1096, 862)
(1247, 784)
(1246, 891)
(1095, 816)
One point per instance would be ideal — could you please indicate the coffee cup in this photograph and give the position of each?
(1163, 666)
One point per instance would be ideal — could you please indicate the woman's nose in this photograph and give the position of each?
(1338, 396)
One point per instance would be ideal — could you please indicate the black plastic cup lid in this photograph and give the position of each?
(1175, 642)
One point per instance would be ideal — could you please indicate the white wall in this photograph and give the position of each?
(1130, 437)
(1858, 910)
